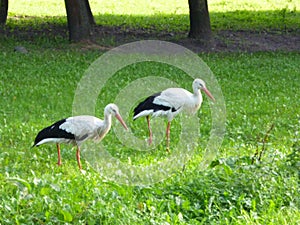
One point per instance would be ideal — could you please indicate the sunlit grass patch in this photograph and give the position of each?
(165, 16)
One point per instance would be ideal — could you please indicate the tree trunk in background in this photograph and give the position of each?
(80, 19)
(90, 14)
(3, 11)
(199, 20)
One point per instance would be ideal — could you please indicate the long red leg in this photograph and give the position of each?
(168, 135)
(150, 131)
(78, 157)
(58, 154)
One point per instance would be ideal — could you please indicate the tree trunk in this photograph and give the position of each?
(89, 11)
(199, 20)
(80, 19)
(3, 11)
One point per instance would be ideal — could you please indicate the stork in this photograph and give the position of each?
(169, 103)
(77, 129)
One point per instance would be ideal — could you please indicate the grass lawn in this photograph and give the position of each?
(261, 91)
(164, 15)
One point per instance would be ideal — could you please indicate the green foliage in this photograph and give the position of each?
(260, 89)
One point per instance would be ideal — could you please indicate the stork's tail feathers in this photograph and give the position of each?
(52, 134)
(146, 107)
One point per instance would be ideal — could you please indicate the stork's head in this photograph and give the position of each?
(199, 84)
(112, 109)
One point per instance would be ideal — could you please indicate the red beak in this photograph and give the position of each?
(208, 94)
(121, 121)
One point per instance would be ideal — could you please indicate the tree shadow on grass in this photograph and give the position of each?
(233, 31)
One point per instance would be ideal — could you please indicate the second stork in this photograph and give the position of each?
(169, 103)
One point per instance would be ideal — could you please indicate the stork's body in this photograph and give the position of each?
(169, 103)
(75, 130)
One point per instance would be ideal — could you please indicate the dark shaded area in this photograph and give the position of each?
(281, 38)
(3, 11)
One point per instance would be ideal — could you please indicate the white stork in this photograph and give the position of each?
(75, 130)
(169, 103)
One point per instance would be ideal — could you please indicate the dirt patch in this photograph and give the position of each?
(223, 41)
(104, 38)
(248, 41)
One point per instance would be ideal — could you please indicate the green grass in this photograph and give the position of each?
(134, 7)
(260, 90)
(171, 16)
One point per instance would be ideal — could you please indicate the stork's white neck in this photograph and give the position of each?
(197, 96)
(196, 100)
(196, 92)
(107, 119)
